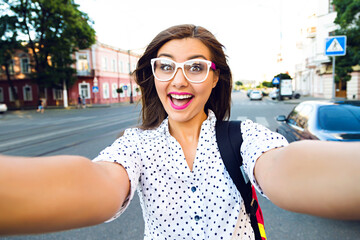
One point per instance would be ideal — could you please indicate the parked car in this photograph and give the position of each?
(322, 120)
(296, 95)
(248, 92)
(256, 95)
(3, 108)
(274, 94)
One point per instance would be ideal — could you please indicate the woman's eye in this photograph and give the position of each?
(166, 67)
(196, 68)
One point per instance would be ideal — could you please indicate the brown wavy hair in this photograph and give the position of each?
(153, 112)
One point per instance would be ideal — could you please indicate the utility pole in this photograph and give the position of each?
(130, 78)
(65, 97)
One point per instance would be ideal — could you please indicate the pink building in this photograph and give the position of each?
(101, 71)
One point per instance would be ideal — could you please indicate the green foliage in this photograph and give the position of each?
(283, 76)
(238, 83)
(8, 45)
(55, 30)
(267, 84)
(119, 90)
(348, 12)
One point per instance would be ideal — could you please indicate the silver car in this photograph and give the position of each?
(256, 95)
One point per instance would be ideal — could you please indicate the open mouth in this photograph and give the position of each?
(180, 101)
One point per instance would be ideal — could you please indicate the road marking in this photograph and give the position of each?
(241, 118)
(98, 124)
(260, 120)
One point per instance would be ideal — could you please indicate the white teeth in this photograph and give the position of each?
(181, 96)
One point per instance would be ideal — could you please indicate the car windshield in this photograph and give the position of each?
(339, 118)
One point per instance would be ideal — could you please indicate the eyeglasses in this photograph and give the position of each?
(195, 70)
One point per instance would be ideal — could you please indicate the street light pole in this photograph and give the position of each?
(131, 88)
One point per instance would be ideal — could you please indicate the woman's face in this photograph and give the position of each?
(183, 100)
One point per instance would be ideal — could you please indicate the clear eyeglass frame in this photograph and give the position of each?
(209, 65)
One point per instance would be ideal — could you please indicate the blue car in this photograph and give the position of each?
(322, 120)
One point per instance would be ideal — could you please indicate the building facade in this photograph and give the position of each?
(101, 72)
(313, 72)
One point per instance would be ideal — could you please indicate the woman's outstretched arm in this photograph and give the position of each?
(313, 177)
(57, 193)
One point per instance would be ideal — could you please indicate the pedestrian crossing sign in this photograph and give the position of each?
(335, 46)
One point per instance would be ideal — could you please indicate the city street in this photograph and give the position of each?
(87, 131)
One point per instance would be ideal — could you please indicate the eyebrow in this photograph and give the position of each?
(191, 57)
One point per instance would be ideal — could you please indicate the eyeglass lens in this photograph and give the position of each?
(194, 70)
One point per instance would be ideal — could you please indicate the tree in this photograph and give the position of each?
(119, 90)
(238, 83)
(283, 76)
(55, 29)
(8, 45)
(267, 84)
(348, 12)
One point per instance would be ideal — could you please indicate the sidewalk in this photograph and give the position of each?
(53, 111)
(306, 98)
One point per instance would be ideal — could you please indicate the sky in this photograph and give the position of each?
(252, 31)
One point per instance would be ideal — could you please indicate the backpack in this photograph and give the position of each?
(229, 140)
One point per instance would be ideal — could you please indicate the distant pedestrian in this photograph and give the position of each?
(83, 102)
(79, 102)
(40, 106)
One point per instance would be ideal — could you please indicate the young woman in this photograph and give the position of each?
(173, 161)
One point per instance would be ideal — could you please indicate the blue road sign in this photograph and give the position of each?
(276, 81)
(125, 87)
(95, 89)
(335, 46)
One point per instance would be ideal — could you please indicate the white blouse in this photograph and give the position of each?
(181, 204)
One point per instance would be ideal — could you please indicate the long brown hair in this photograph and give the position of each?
(153, 112)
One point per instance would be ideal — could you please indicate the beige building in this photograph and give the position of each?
(313, 71)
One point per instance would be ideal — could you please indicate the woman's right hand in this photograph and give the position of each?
(56, 193)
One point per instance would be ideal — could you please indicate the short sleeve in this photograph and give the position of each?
(257, 140)
(124, 152)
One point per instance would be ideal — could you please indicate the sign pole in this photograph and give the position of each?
(333, 75)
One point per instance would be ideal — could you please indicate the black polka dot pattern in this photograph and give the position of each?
(178, 203)
(257, 139)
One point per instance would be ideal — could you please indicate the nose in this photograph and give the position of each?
(179, 79)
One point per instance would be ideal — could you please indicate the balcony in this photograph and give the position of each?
(85, 73)
(311, 32)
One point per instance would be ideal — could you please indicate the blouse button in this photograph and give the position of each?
(197, 218)
(193, 189)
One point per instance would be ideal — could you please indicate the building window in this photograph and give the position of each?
(11, 96)
(83, 65)
(123, 93)
(113, 90)
(84, 90)
(121, 67)
(104, 63)
(27, 93)
(1, 94)
(106, 90)
(113, 65)
(24, 65)
(57, 94)
(128, 89)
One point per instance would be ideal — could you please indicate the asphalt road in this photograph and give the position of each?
(87, 131)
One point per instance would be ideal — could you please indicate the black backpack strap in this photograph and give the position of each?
(229, 140)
